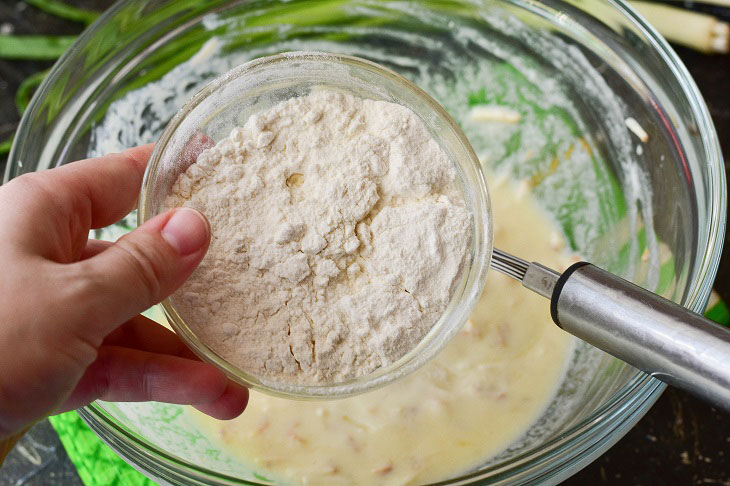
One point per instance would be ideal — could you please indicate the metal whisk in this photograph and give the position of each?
(656, 335)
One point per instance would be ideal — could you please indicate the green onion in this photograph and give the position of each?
(34, 47)
(717, 310)
(26, 90)
(5, 146)
(64, 11)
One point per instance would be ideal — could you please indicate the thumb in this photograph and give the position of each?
(143, 268)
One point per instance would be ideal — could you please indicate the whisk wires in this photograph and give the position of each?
(509, 265)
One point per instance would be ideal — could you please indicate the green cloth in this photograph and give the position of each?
(97, 464)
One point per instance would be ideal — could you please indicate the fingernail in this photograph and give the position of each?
(187, 231)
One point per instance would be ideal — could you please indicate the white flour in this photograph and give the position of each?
(338, 238)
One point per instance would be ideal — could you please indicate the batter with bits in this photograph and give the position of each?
(339, 236)
(478, 396)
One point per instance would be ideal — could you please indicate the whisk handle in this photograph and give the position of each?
(657, 336)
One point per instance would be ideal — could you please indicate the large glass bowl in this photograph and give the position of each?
(648, 204)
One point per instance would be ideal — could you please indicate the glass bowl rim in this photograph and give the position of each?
(644, 389)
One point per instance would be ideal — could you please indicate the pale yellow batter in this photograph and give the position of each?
(479, 395)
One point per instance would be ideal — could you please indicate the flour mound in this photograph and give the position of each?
(338, 238)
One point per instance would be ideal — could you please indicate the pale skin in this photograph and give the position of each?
(70, 329)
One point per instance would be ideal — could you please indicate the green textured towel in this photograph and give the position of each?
(97, 464)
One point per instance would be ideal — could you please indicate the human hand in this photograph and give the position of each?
(70, 329)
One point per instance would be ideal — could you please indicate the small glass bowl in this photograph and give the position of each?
(231, 99)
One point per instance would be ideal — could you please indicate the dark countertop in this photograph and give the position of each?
(680, 441)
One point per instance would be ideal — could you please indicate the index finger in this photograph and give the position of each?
(52, 211)
(110, 184)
